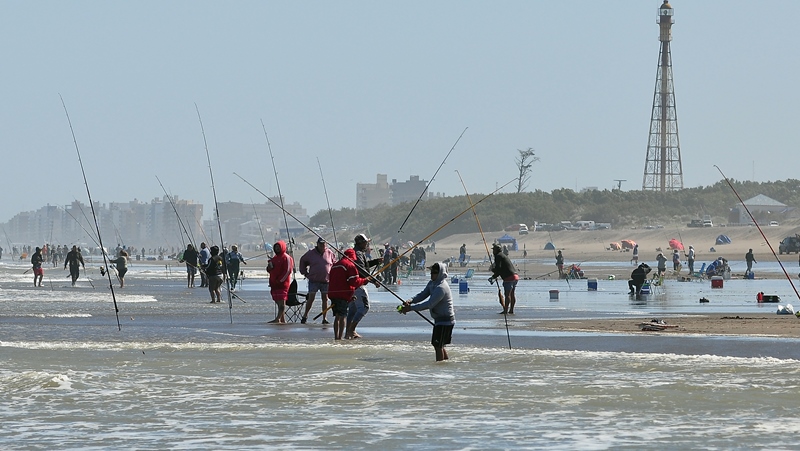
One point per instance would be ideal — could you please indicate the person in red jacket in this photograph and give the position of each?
(280, 268)
(344, 279)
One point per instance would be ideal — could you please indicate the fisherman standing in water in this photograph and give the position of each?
(504, 269)
(38, 271)
(75, 260)
(280, 268)
(316, 265)
(440, 303)
(358, 307)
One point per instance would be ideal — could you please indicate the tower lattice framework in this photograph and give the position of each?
(663, 170)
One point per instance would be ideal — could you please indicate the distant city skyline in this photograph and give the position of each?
(381, 87)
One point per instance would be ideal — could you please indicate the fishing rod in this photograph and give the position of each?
(489, 255)
(91, 204)
(280, 195)
(330, 212)
(10, 246)
(216, 206)
(431, 181)
(91, 237)
(180, 221)
(263, 240)
(760, 231)
(375, 280)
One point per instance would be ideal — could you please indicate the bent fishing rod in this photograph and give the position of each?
(425, 190)
(91, 204)
(373, 279)
(216, 207)
(489, 255)
(258, 221)
(760, 231)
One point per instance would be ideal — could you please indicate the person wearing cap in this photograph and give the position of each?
(690, 260)
(638, 276)
(504, 269)
(359, 305)
(343, 281)
(38, 271)
(232, 260)
(315, 266)
(440, 303)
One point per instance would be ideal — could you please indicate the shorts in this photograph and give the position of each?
(357, 308)
(122, 272)
(441, 335)
(339, 307)
(38, 271)
(313, 287)
(509, 286)
(191, 269)
(214, 282)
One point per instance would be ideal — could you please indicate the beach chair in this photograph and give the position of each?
(295, 307)
(469, 273)
(700, 275)
(295, 304)
(657, 283)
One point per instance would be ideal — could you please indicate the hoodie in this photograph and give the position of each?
(344, 277)
(280, 268)
(440, 300)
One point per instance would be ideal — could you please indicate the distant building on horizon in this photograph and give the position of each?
(371, 195)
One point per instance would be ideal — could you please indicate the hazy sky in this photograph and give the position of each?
(382, 87)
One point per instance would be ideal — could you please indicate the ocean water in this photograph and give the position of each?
(185, 374)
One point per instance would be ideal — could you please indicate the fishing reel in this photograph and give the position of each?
(400, 309)
(491, 280)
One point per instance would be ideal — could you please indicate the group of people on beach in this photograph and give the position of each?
(74, 259)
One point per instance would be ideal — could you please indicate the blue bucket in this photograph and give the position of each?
(463, 286)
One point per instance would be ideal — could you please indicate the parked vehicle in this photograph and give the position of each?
(516, 227)
(695, 223)
(523, 229)
(790, 244)
(773, 223)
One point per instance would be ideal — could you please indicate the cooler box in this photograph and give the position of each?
(750, 275)
(645, 289)
(463, 286)
(716, 282)
(553, 295)
(592, 284)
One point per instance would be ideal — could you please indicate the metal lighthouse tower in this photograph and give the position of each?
(662, 169)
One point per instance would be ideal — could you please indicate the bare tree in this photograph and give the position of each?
(524, 162)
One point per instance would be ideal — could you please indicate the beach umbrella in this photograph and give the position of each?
(675, 244)
(628, 244)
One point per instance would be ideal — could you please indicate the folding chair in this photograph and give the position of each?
(295, 304)
(295, 307)
(657, 284)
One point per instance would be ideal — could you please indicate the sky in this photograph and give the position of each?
(370, 87)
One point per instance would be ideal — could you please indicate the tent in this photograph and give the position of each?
(549, 246)
(615, 246)
(723, 239)
(628, 244)
(508, 239)
(675, 244)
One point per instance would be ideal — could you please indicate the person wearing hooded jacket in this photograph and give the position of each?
(280, 268)
(440, 303)
(343, 281)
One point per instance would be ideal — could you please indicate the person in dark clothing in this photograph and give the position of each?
(215, 270)
(638, 276)
(560, 264)
(38, 271)
(750, 259)
(504, 269)
(190, 258)
(75, 260)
